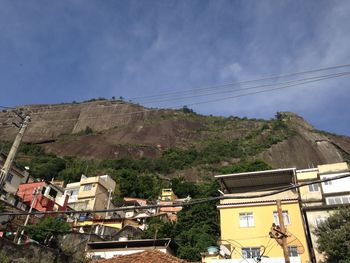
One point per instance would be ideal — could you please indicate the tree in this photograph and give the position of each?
(158, 228)
(46, 166)
(334, 237)
(46, 231)
(187, 110)
(246, 166)
(197, 228)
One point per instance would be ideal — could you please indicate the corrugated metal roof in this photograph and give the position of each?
(254, 181)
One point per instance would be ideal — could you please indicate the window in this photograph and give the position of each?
(9, 178)
(345, 199)
(286, 218)
(293, 251)
(250, 252)
(246, 219)
(53, 193)
(313, 188)
(73, 192)
(338, 200)
(327, 182)
(87, 187)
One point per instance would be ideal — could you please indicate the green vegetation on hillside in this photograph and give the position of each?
(131, 173)
(46, 231)
(197, 226)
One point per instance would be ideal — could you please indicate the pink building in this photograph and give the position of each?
(50, 198)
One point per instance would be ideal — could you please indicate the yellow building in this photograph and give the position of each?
(91, 193)
(115, 223)
(246, 222)
(167, 195)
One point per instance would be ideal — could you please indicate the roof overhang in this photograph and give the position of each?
(260, 180)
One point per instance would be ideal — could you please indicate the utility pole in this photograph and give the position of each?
(35, 193)
(12, 154)
(279, 232)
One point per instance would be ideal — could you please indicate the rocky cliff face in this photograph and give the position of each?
(111, 129)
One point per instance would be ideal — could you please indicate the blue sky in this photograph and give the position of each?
(60, 51)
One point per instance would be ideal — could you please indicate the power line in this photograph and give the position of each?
(274, 244)
(266, 90)
(241, 89)
(184, 204)
(208, 101)
(207, 94)
(209, 88)
(248, 81)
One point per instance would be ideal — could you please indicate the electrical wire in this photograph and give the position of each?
(272, 77)
(241, 89)
(274, 244)
(236, 250)
(185, 204)
(229, 91)
(202, 102)
(247, 81)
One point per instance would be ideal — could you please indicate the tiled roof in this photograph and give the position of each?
(147, 256)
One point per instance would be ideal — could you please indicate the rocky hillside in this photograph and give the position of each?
(106, 129)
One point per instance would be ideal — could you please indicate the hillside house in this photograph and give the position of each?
(50, 197)
(91, 193)
(15, 177)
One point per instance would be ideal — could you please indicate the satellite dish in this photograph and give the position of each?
(224, 251)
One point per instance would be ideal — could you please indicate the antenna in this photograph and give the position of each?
(221, 192)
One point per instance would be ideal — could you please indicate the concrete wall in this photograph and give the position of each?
(109, 253)
(31, 253)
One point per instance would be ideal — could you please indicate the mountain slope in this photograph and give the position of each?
(111, 129)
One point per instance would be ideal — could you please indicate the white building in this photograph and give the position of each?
(319, 201)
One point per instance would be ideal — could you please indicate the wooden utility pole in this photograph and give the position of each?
(283, 231)
(12, 154)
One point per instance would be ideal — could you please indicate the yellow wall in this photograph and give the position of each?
(255, 236)
(334, 167)
(208, 258)
(117, 224)
(168, 195)
(307, 174)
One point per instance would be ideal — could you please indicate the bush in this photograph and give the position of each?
(187, 110)
(88, 130)
(45, 232)
(246, 166)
